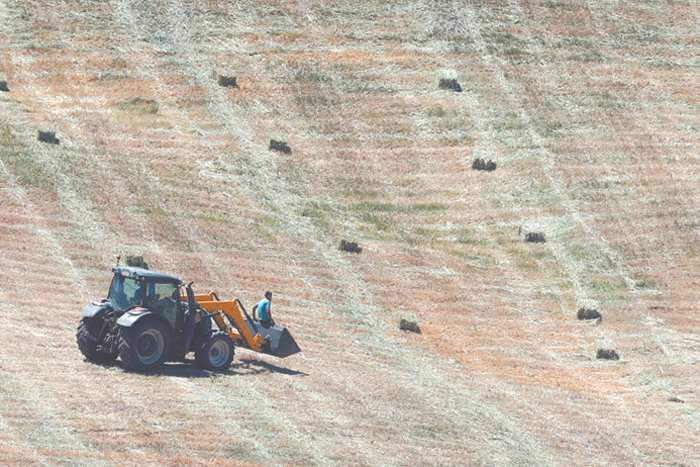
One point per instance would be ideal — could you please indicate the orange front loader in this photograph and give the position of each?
(231, 317)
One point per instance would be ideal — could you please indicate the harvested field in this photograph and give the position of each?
(590, 110)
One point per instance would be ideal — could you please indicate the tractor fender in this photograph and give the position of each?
(134, 315)
(96, 309)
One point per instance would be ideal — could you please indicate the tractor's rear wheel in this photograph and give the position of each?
(145, 346)
(215, 353)
(88, 331)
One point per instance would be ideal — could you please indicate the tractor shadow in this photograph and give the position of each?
(246, 367)
(186, 369)
(256, 367)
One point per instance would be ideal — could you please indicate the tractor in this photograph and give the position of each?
(149, 318)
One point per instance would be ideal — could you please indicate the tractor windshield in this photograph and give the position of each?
(124, 292)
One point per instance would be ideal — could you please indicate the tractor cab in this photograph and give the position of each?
(140, 288)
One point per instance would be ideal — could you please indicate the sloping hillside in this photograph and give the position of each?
(590, 112)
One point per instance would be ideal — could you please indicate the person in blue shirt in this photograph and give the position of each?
(263, 310)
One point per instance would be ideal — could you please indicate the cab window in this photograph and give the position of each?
(164, 298)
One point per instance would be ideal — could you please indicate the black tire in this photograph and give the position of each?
(88, 330)
(215, 353)
(145, 346)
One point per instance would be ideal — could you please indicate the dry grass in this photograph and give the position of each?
(588, 109)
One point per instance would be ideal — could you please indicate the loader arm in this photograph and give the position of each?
(237, 327)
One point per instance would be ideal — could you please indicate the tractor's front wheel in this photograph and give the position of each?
(215, 353)
(89, 331)
(145, 346)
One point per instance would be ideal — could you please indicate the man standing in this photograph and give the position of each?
(263, 310)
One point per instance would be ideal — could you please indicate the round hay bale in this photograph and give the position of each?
(588, 313)
(49, 137)
(407, 322)
(350, 247)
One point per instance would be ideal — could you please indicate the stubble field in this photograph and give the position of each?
(590, 111)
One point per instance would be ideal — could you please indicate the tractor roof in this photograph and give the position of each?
(145, 274)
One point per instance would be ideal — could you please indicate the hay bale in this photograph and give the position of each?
(481, 164)
(227, 81)
(450, 84)
(225, 78)
(607, 354)
(605, 350)
(350, 247)
(280, 146)
(3, 84)
(588, 313)
(48, 137)
(136, 262)
(407, 322)
(535, 237)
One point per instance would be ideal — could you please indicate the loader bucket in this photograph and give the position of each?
(280, 342)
